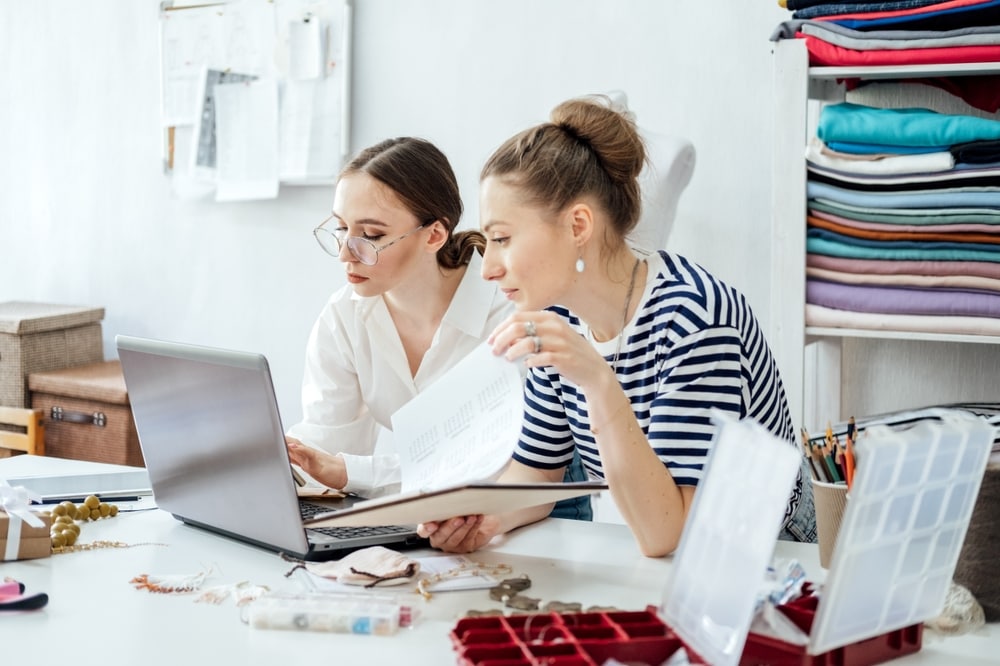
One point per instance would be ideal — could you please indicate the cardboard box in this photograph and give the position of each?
(87, 414)
(34, 542)
(36, 337)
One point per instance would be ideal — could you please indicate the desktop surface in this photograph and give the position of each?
(99, 617)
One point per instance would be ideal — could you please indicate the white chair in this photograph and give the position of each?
(671, 161)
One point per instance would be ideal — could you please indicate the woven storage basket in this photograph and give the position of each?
(87, 414)
(36, 337)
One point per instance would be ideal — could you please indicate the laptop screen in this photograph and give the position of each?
(212, 439)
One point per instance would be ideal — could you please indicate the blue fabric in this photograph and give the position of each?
(854, 148)
(831, 9)
(944, 19)
(856, 123)
(942, 198)
(578, 508)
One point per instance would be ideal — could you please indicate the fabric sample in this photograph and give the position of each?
(817, 315)
(850, 122)
(902, 300)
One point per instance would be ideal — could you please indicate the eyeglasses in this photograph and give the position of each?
(360, 247)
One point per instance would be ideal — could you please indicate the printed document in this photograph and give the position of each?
(463, 427)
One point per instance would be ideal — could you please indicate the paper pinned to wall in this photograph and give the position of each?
(302, 44)
(237, 36)
(247, 138)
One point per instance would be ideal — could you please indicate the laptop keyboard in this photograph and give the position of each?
(310, 510)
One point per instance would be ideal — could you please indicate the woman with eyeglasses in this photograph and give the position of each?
(629, 352)
(414, 305)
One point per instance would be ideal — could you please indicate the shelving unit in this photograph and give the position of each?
(804, 352)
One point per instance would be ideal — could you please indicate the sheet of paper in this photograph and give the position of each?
(247, 137)
(204, 155)
(305, 49)
(310, 129)
(236, 36)
(463, 427)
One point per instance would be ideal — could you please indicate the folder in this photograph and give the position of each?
(461, 500)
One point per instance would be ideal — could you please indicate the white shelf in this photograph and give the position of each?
(828, 332)
(813, 353)
(904, 71)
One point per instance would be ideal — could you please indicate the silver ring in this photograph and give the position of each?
(529, 329)
(538, 343)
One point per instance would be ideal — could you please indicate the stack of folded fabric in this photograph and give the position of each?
(849, 33)
(903, 221)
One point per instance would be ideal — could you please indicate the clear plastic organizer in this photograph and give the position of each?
(892, 564)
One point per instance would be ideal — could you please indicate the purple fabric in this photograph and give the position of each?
(891, 300)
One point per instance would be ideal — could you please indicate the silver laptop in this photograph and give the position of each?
(214, 447)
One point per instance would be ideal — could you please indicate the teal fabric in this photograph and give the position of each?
(855, 123)
(909, 215)
(835, 249)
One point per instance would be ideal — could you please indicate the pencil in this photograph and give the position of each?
(807, 449)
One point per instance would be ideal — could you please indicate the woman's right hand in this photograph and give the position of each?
(464, 534)
(328, 469)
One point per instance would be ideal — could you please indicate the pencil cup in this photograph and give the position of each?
(831, 500)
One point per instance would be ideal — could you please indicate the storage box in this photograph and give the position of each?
(87, 414)
(34, 542)
(584, 639)
(36, 337)
(641, 637)
(760, 649)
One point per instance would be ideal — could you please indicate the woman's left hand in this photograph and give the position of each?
(545, 339)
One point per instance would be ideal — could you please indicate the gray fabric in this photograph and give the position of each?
(787, 30)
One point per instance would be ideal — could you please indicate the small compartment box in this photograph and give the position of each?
(567, 639)
(36, 337)
(87, 414)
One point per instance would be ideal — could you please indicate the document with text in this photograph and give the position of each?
(453, 440)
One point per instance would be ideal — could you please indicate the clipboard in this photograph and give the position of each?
(462, 500)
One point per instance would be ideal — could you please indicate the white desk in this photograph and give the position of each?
(95, 616)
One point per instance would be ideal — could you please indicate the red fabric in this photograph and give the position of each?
(823, 53)
(916, 11)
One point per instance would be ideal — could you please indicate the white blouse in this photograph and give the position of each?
(356, 373)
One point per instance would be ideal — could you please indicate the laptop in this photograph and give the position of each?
(214, 447)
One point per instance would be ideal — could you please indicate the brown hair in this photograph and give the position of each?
(588, 148)
(421, 176)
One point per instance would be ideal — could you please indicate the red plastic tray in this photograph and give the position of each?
(641, 637)
(761, 650)
(564, 639)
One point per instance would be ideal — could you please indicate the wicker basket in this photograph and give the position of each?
(87, 414)
(36, 337)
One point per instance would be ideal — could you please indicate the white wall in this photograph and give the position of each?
(86, 214)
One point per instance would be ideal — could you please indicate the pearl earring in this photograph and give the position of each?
(579, 265)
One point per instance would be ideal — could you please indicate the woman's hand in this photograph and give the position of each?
(328, 469)
(463, 534)
(545, 339)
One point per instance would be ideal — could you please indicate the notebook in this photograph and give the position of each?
(214, 447)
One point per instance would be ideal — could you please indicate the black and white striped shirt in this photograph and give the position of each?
(693, 345)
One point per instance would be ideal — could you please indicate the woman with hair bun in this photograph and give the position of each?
(628, 351)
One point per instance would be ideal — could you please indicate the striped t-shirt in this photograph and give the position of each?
(693, 345)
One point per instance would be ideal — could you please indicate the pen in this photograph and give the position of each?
(849, 461)
(79, 499)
